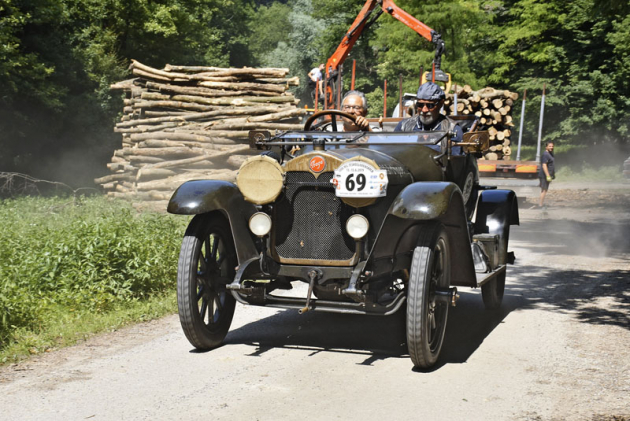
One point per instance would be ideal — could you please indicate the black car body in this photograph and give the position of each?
(425, 228)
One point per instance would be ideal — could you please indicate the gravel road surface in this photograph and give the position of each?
(559, 348)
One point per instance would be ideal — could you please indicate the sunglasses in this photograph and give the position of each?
(429, 105)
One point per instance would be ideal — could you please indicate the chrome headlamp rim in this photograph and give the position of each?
(357, 226)
(260, 224)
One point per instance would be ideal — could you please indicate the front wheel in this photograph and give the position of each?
(426, 313)
(206, 265)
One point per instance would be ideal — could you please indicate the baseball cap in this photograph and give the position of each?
(430, 92)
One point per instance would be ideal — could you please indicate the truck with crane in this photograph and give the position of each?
(333, 86)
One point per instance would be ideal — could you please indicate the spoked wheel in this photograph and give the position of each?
(492, 292)
(426, 311)
(206, 265)
(470, 188)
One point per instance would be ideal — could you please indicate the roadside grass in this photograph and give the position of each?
(584, 163)
(73, 267)
(64, 328)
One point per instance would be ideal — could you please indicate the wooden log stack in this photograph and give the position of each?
(182, 123)
(494, 109)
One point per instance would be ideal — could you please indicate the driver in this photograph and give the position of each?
(429, 102)
(355, 103)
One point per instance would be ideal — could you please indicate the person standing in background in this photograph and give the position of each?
(547, 172)
(315, 77)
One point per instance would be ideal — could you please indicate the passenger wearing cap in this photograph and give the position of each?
(429, 102)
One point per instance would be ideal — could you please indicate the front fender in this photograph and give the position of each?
(424, 201)
(496, 211)
(415, 205)
(203, 196)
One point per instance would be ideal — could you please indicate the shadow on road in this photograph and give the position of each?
(377, 338)
(469, 324)
(599, 295)
(591, 296)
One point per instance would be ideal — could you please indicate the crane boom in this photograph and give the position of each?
(366, 17)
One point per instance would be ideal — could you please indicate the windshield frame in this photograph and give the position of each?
(349, 138)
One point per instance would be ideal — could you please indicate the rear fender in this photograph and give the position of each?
(202, 196)
(415, 205)
(496, 211)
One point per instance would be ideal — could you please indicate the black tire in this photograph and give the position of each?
(426, 316)
(492, 292)
(206, 265)
(470, 186)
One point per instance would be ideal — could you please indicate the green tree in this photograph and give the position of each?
(580, 51)
(404, 51)
(299, 50)
(60, 56)
(268, 26)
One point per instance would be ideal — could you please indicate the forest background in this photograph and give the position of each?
(59, 57)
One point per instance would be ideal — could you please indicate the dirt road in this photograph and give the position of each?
(559, 349)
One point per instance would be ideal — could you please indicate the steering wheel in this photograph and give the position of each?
(308, 125)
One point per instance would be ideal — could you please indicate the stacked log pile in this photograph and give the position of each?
(494, 109)
(182, 123)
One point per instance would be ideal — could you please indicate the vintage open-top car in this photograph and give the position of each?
(373, 222)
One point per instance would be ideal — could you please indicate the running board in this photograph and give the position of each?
(483, 278)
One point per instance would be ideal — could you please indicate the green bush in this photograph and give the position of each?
(80, 256)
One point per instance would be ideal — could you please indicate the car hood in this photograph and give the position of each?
(404, 163)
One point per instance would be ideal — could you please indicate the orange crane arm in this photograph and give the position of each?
(364, 20)
(390, 7)
(348, 41)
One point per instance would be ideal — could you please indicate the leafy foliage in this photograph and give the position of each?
(57, 255)
(297, 33)
(58, 58)
(579, 50)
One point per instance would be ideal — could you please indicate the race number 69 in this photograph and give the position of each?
(351, 184)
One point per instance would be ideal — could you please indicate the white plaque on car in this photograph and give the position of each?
(359, 179)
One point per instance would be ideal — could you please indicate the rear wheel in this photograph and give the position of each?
(492, 292)
(426, 313)
(470, 187)
(206, 265)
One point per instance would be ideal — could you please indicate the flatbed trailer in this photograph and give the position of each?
(508, 169)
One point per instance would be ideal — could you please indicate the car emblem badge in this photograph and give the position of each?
(317, 164)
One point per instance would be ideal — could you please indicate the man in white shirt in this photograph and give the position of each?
(315, 81)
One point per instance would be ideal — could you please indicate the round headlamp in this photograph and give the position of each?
(260, 224)
(260, 179)
(357, 226)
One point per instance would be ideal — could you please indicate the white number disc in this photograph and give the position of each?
(359, 179)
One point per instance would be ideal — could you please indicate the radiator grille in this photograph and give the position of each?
(310, 220)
